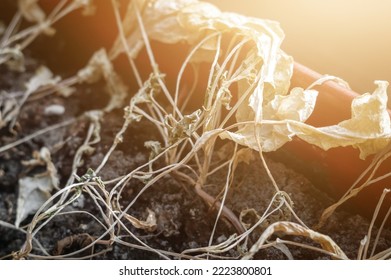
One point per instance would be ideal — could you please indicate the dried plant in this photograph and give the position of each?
(245, 99)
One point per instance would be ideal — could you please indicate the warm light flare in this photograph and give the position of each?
(346, 38)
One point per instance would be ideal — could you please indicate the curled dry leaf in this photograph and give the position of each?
(290, 228)
(297, 106)
(149, 224)
(81, 240)
(100, 66)
(369, 128)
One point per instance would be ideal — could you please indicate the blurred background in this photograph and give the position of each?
(350, 38)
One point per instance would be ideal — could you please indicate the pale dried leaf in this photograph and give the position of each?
(100, 66)
(43, 77)
(290, 228)
(148, 225)
(369, 134)
(34, 191)
(189, 21)
(369, 128)
(297, 106)
(162, 12)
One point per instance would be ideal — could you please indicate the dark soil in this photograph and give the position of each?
(184, 221)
